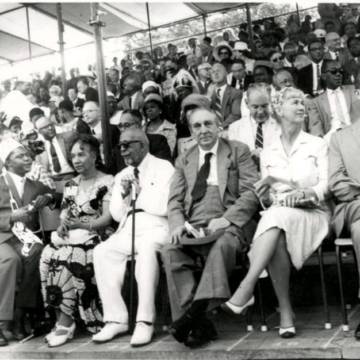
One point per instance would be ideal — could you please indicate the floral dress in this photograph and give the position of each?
(67, 271)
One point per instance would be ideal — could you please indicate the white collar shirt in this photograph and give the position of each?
(338, 121)
(133, 99)
(213, 177)
(315, 80)
(65, 167)
(19, 183)
(333, 54)
(287, 63)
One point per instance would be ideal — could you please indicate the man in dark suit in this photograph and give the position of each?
(352, 66)
(337, 108)
(158, 145)
(84, 88)
(18, 271)
(206, 53)
(115, 79)
(238, 78)
(213, 188)
(225, 100)
(192, 63)
(134, 98)
(73, 96)
(310, 81)
(56, 158)
(204, 71)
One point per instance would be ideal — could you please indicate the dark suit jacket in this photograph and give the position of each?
(91, 94)
(320, 113)
(65, 140)
(79, 103)
(248, 79)
(203, 89)
(230, 106)
(352, 67)
(237, 175)
(158, 146)
(137, 104)
(32, 189)
(305, 82)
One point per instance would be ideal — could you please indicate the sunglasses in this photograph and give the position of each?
(124, 126)
(335, 71)
(126, 144)
(277, 59)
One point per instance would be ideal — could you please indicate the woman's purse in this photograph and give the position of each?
(76, 237)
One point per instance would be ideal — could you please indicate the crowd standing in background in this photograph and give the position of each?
(256, 148)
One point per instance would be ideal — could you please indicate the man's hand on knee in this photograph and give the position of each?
(176, 235)
(217, 224)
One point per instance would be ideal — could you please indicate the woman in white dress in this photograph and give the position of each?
(294, 168)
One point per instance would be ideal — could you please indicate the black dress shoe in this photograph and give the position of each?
(3, 340)
(181, 328)
(357, 332)
(203, 332)
(19, 332)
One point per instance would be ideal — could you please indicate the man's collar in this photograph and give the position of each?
(332, 90)
(16, 177)
(221, 87)
(213, 150)
(143, 165)
(320, 63)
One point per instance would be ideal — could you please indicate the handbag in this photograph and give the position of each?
(76, 237)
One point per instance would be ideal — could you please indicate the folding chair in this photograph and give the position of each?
(341, 243)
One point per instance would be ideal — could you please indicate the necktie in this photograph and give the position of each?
(200, 186)
(339, 110)
(218, 105)
(319, 87)
(240, 83)
(136, 173)
(55, 159)
(130, 103)
(93, 131)
(259, 139)
(337, 56)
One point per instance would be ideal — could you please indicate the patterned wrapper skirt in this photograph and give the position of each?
(68, 281)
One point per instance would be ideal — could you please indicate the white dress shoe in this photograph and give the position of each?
(51, 334)
(143, 334)
(110, 331)
(58, 340)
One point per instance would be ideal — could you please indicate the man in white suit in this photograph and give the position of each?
(258, 129)
(151, 177)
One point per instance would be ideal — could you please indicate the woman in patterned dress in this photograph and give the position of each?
(66, 266)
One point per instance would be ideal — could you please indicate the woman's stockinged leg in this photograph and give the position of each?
(262, 251)
(64, 320)
(279, 268)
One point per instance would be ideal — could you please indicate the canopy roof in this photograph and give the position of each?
(120, 19)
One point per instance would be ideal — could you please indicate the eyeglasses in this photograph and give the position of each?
(317, 49)
(281, 58)
(223, 53)
(89, 111)
(124, 125)
(126, 144)
(47, 127)
(335, 71)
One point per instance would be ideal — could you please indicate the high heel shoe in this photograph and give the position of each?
(58, 340)
(51, 334)
(238, 310)
(287, 333)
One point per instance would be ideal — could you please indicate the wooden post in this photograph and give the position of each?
(149, 25)
(250, 29)
(298, 13)
(28, 31)
(61, 43)
(204, 22)
(101, 77)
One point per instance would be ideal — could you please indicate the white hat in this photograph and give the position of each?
(149, 83)
(223, 44)
(239, 45)
(109, 93)
(320, 33)
(7, 146)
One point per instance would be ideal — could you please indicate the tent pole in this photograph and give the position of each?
(204, 22)
(250, 28)
(61, 43)
(101, 77)
(28, 31)
(298, 13)
(148, 18)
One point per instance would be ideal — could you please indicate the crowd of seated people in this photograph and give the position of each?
(256, 149)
